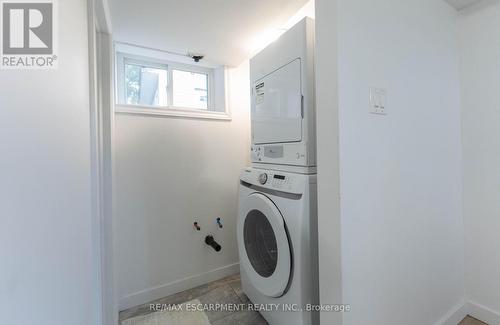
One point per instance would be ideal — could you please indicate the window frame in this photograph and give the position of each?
(154, 59)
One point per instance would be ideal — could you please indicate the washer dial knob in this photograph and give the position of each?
(263, 178)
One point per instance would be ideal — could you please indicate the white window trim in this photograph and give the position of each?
(173, 62)
(176, 112)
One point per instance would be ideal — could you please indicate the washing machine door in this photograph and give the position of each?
(264, 245)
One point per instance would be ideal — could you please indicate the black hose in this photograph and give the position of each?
(210, 241)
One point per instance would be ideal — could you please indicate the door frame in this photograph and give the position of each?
(101, 92)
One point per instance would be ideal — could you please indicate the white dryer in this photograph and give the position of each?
(283, 102)
(277, 243)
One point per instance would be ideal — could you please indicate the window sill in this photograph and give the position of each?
(174, 112)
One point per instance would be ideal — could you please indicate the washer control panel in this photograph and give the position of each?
(263, 178)
(279, 181)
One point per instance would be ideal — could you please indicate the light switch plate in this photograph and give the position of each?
(378, 101)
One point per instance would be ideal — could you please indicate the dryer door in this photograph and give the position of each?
(264, 245)
(277, 106)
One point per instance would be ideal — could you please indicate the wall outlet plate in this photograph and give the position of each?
(378, 101)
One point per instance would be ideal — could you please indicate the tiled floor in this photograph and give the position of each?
(471, 321)
(227, 290)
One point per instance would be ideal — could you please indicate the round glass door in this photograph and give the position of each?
(260, 243)
(263, 245)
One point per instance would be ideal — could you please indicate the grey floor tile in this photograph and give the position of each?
(471, 321)
(224, 291)
(236, 285)
(220, 295)
(243, 297)
(242, 318)
(231, 278)
(173, 300)
(177, 298)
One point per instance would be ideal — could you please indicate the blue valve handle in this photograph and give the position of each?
(219, 222)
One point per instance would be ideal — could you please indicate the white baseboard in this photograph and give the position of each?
(475, 310)
(165, 290)
(455, 316)
(483, 313)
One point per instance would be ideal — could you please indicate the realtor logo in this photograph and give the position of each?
(28, 34)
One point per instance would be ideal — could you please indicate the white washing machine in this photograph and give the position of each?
(283, 102)
(277, 243)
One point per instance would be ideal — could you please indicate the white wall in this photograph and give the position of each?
(400, 174)
(46, 272)
(170, 172)
(480, 51)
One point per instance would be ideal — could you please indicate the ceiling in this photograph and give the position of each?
(225, 31)
(461, 4)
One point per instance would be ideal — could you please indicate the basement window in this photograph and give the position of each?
(156, 83)
(145, 83)
(190, 89)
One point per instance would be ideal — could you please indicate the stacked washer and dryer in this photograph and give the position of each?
(277, 221)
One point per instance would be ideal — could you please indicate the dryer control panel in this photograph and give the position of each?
(287, 154)
(279, 181)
